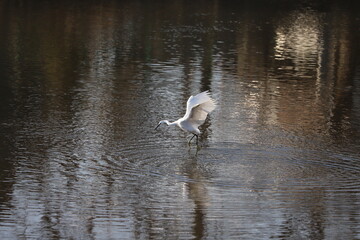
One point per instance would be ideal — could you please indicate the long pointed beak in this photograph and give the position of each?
(157, 126)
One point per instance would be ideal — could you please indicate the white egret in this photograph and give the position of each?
(197, 109)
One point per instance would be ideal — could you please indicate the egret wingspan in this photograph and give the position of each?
(199, 113)
(197, 100)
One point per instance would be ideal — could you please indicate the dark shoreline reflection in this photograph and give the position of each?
(82, 85)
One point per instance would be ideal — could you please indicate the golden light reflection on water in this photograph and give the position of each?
(299, 37)
(307, 66)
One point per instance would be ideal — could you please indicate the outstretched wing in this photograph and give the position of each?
(198, 107)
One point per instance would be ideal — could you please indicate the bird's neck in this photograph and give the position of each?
(170, 123)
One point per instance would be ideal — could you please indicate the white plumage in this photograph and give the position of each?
(197, 109)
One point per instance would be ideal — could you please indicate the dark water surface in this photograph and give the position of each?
(84, 83)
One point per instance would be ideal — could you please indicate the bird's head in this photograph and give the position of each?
(161, 122)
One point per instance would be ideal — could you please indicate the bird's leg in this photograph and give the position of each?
(192, 139)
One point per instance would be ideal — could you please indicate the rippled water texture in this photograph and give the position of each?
(84, 83)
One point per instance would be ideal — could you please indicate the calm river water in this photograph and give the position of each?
(84, 83)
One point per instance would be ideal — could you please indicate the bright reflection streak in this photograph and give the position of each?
(299, 40)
